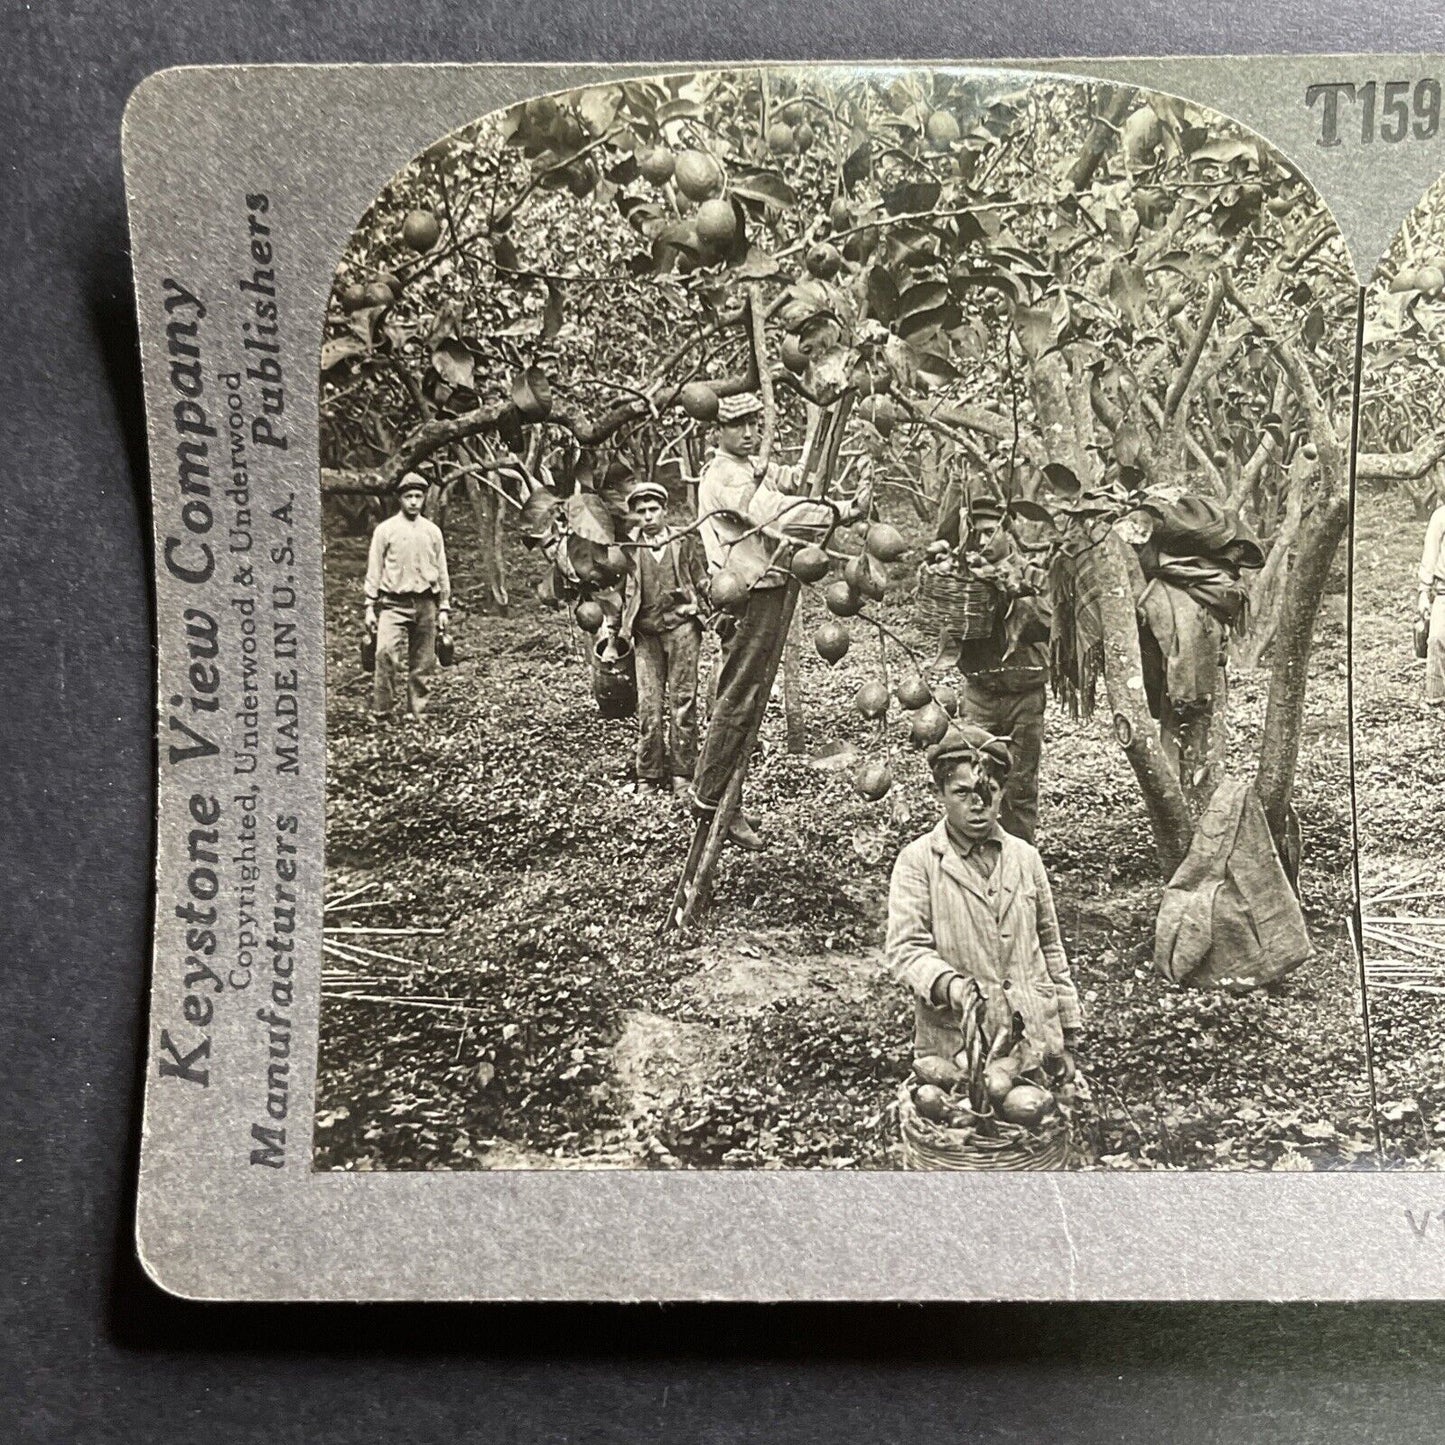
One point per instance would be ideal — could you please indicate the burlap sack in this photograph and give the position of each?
(1229, 918)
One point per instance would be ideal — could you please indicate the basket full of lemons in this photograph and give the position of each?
(998, 1105)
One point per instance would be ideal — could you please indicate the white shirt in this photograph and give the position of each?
(408, 556)
(1432, 559)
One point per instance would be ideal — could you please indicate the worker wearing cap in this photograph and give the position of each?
(408, 598)
(1430, 604)
(660, 617)
(970, 901)
(734, 481)
(1005, 684)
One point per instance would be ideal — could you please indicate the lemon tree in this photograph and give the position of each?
(1091, 299)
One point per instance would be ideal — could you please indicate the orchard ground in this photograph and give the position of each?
(565, 1032)
(1399, 770)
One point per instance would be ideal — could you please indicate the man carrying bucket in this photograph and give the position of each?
(408, 598)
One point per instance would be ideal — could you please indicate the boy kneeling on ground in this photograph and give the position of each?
(970, 901)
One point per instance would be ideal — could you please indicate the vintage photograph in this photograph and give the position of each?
(837, 645)
(1399, 683)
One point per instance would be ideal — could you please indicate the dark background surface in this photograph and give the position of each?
(91, 1352)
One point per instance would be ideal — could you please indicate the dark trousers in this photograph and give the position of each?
(667, 684)
(406, 651)
(742, 691)
(1019, 715)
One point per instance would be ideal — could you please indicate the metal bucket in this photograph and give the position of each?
(614, 677)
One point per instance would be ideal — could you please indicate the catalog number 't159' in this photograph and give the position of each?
(1390, 110)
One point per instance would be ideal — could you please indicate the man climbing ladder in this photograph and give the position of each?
(757, 494)
(734, 481)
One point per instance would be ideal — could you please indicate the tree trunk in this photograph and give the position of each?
(1320, 536)
(487, 510)
(1065, 417)
(1195, 741)
(1400, 466)
(1326, 516)
(1134, 728)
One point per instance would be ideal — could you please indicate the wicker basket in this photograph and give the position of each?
(959, 606)
(1012, 1147)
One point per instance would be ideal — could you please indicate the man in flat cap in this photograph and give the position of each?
(734, 481)
(408, 599)
(969, 901)
(1006, 674)
(660, 617)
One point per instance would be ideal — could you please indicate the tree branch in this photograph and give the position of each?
(1102, 134)
(1400, 466)
(757, 350)
(1180, 386)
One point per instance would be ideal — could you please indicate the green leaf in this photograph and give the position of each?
(581, 558)
(934, 368)
(1061, 479)
(1225, 152)
(766, 186)
(599, 107)
(678, 110)
(882, 295)
(1031, 511)
(454, 363)
(624, 172)
(590, 517)
(339, 349)
(1034, 326)
(977, 227)
(758, 265)
(552, 311)
(988, 277)
(859, 164)
(921, 297)
(532, 393)
(638, 213)
(1129, 292)
(912, 197)
(536, 516)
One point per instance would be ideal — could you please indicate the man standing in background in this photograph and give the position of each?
(660, 616)
(1006, 674)
(1431, 606)
(408, 599)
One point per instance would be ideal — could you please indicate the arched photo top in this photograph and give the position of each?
(599, 245)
